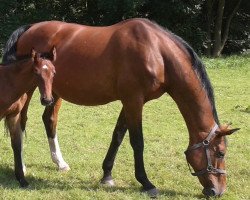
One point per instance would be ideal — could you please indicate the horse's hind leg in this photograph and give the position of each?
(16, 133)
(118, 135)
(50, 121)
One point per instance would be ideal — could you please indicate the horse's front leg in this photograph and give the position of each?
(50, 122)
(16, 134)
(108, 163)
(133, 114)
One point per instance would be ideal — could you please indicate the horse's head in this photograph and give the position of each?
(207, 158)
(45, 71)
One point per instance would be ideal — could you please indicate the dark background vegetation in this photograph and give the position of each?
(212, 27)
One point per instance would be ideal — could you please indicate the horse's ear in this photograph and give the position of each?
(225, 130)
(53, 53)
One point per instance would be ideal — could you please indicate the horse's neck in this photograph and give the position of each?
(15, 80)
(194, 104)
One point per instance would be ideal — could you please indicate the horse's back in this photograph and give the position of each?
(107, 63)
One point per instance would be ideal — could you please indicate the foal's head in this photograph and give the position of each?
(45, 71)
(208, 160)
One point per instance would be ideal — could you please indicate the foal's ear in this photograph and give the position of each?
(53, 53)
(225, 130)
(33, 53)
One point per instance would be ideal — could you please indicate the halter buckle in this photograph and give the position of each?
(210, 168)
(205, 142)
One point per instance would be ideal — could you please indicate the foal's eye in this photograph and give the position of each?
(220, 154)
(37, 72)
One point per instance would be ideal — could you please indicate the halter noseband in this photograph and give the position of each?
(205, 143)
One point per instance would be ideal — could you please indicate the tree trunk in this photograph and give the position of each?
(219, 38)
(218, 28)
(227, 24)
(209, 5)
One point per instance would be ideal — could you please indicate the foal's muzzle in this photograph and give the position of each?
(46, 101)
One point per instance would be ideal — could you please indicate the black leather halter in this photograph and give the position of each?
(205, 143)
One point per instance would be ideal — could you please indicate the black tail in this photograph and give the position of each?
(9, 54)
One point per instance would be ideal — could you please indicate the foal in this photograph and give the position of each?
(15, 80)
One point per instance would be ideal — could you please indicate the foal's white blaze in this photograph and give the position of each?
(56, 154)
(45, 67)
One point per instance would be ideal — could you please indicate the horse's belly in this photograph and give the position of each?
(84, 92)
(86, 100)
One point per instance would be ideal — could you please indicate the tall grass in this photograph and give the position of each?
(85, 133)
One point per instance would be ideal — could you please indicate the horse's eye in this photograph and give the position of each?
(220, 154)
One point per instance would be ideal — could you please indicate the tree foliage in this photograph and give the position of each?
(194, 20)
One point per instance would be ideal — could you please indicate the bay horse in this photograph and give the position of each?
(133, 61)
(16, 79)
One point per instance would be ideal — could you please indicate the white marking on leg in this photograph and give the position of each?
(56, 154)
(23, 165)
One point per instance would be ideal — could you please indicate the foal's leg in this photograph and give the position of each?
(24, 118)
(24, 110)
(50, 121)
(133, 114)
(16, 134)
(118, 135)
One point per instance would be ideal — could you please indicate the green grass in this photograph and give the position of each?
(85, 133)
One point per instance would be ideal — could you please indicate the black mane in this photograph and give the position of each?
(200, 69)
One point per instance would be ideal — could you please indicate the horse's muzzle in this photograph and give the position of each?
(212, 192)
(47, 102)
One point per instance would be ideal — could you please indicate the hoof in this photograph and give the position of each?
(152, 193)
(64, 168)
(23, 183)
(108, 181)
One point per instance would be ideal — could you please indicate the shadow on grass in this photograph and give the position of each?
(7, 177)
(173, 193)
(242, 108)
(8, 181)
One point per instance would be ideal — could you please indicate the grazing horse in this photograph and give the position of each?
(133, 61)
(16, 79)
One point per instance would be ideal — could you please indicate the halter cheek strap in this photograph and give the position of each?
(205, 143)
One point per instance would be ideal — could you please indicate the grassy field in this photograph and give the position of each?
(85, 133)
